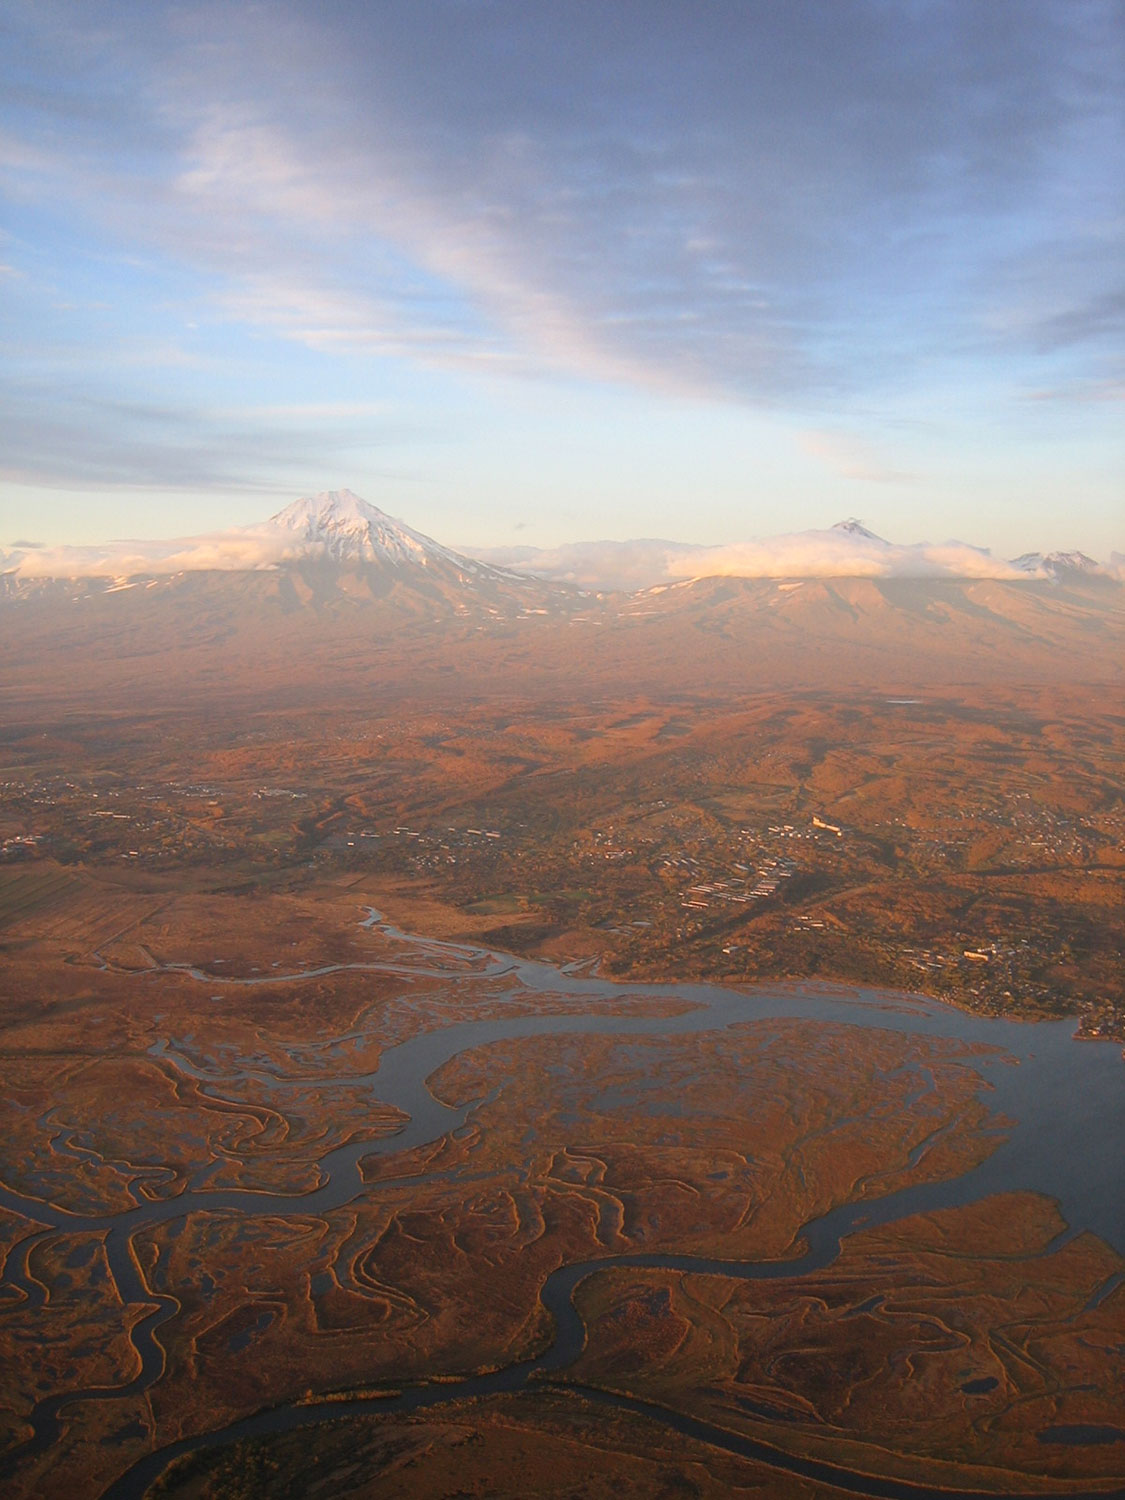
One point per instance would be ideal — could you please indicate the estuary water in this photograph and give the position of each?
(1063, 1103)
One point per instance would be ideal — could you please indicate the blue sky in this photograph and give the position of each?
(530, 273)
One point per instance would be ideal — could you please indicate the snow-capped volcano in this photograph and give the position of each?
(316, 552)
(331, 583)
(337, 524)
(337, 530)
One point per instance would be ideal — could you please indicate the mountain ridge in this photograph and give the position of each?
(339, 527)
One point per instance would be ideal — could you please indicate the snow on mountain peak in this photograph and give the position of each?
(331, 508)
(852, 527)
(339, 525)
(1074, 562)
(1056, 564)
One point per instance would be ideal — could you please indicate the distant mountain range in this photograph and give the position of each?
(337, 527)
(846, 550)
(331, 596)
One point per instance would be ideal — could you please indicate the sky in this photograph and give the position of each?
(530, 274)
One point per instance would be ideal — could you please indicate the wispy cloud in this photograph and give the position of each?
(70, 438)
(338, 320)
(715, 224)
(834, 553)
(825, 554)
(831, 553)
(813, 210)
(852, 457)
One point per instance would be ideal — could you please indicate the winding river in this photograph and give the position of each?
(1067, 1102)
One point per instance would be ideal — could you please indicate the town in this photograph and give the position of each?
(642, 839)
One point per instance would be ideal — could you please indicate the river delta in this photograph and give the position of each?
(451, 1206)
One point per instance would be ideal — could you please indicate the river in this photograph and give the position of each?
(1066, 1102)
